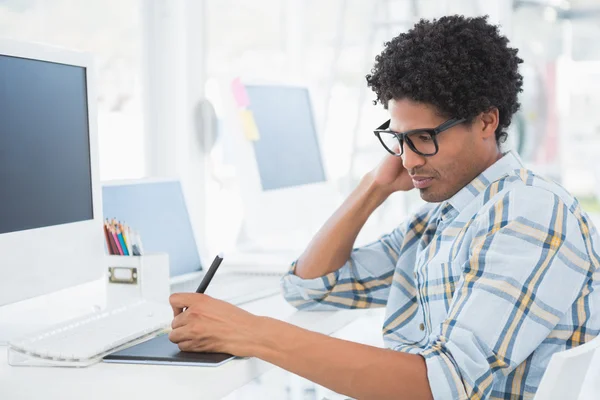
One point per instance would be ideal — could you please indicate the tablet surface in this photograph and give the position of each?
(160, 350)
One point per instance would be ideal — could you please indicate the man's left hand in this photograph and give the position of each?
(205, 324)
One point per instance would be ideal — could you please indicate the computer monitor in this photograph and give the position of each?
(284, 183)
(50, 207)
(156, 209)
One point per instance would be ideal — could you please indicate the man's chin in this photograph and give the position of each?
(426, 195)
(429, 195)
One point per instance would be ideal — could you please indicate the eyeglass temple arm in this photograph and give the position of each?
(384, 126)
(449, 124)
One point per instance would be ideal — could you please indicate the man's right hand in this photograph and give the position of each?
(391, 176)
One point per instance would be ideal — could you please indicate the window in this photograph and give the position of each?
(110, 30)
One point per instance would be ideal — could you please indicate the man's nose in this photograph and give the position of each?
(410, 159)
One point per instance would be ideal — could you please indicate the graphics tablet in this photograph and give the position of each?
(160, 350)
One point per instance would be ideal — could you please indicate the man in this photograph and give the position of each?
(481, 286)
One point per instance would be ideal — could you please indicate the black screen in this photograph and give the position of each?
(45, 176)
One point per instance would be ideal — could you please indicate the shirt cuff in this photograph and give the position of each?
(306, 293)
(444, 379)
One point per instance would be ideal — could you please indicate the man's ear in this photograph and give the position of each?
(489, 123)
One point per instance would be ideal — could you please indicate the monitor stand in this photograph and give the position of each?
(264, 255)
(287, 242)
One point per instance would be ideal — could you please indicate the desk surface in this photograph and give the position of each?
(121, 381)
(242, 379)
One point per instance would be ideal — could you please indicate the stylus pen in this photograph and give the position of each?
(209, 274)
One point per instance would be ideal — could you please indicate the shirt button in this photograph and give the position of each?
(422, 327)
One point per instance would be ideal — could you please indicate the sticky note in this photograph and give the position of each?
(239, 93)
(249, 125)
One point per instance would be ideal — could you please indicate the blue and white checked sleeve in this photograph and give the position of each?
(527, 265)
(363, 282)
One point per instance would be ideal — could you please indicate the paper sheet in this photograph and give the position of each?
(249, 125)
(239, 93)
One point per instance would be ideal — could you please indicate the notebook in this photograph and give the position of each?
(160, 350)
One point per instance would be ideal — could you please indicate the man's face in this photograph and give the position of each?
(464, 151)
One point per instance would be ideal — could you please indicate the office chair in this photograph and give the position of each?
(564, 378)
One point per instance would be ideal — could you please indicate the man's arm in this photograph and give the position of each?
(331, 274)
(353, 369)
(331, 247)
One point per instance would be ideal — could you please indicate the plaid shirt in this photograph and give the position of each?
(486, 286)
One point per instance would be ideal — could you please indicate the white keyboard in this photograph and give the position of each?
(83, 341)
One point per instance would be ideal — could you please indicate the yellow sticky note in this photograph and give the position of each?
(249, 125)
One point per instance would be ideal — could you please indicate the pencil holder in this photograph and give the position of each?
(132, 278)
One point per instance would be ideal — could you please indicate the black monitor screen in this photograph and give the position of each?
(45, 176)
(288, 152)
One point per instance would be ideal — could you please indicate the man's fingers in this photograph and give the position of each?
(176, 311)
(180, 335)
(175, 301)
(180, 320)
(186, 345)
(181, 301)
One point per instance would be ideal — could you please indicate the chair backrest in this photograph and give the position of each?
(566, 372)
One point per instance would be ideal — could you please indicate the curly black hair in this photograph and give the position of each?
(462, 66)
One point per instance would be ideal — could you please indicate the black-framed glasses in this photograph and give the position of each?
(421, 141)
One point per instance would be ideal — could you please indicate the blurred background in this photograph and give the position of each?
(160, 64)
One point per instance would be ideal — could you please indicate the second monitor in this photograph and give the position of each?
(287, 152)
(287, 193)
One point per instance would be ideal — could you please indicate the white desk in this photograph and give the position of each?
(243, 379)
(123, 381)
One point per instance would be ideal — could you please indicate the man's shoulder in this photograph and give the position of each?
(529, 199)
(525, 187)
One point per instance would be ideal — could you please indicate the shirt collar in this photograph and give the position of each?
(509, 162)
